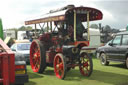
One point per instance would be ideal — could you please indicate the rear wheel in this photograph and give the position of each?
(60, 66)
(86, 65)
(103, 59)
(37, 56)
(127, 62)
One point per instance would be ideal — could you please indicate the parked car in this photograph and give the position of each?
(115, 50)
(98, 50)
(21, 75)
(22, 48)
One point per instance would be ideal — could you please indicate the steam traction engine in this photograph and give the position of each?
(60, 45)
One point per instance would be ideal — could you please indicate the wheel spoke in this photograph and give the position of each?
(87, 60)
(34, 49)
(87, 69)
(38, 52)
(81, 70)
(62, 72)
(34, 56)
(61, 65)
(34, 61)
(37, 60)
(85, 65)
(57, 67)
(58, 60)
(36, 65)
(83, 59)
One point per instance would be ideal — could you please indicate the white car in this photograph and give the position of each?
(23, 50)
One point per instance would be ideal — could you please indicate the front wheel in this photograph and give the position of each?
(86, 64)
(60, 66)
(103, 59)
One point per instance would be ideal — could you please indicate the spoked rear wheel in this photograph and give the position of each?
(60, 66)
(37, 56)
(86, 65)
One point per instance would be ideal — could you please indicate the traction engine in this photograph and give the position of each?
(61, 48)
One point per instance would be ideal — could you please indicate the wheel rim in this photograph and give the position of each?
(84, 65)
(59, 67)
(103, 60)
(35, 57)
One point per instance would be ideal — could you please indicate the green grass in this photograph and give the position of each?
(114, 74)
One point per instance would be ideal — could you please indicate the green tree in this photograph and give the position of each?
(23, 28)
(28, 28)
(94, 26)
(127, 27)
(13, 29)
(1, 30)
(107, 28)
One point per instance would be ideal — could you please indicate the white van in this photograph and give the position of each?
(21, 35)
(94, 40)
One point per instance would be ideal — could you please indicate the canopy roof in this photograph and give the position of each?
(94, 14)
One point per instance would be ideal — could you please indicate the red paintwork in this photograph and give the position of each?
(55, 40)
(50, 56)
(34, 57)
(45, 38)
(95, 14)
(79, 44)
(58, 66)
(59, 50)
(85, 65)
(7, 65)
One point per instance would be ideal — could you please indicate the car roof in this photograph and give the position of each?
(122, 33)
(22, 41)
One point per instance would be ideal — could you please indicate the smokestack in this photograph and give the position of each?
(100, 26)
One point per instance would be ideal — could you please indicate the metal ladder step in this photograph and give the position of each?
(1, 80)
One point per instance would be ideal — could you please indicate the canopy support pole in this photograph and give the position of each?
(42, 27)
(47, 27)
(88, 25)
(35, 31)
(74, 25)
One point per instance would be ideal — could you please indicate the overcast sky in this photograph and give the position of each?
(15, 12)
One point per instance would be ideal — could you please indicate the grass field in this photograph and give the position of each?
(114, 74)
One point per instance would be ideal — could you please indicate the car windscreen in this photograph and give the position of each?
(23, 47)
(108, 43)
